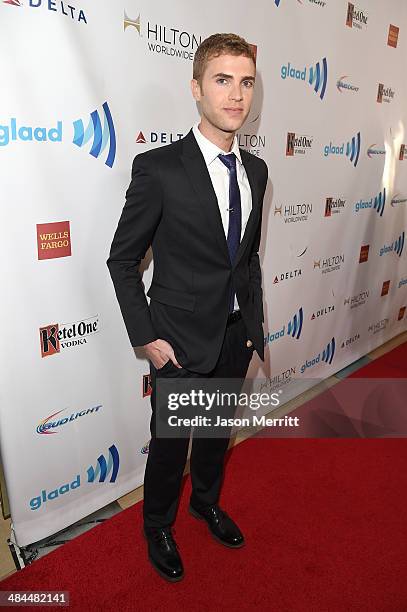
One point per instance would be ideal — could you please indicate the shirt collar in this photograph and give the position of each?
(210, 151)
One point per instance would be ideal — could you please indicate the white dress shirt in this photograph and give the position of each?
(219, 174)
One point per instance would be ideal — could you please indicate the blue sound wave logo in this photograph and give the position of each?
(103, 467)
(377, 203)
(277, 2)
(329, 352)
(318, 77)
(399, 245)
(353, 149)
(101, 136)
(294, 326)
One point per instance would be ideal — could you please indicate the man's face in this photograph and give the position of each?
(226, 91)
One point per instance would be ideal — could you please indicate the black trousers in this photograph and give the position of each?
(167, 456)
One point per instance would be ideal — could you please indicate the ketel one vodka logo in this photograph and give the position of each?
(105, 472)
(355, 17)
(297, 144)
(384, 94)
(56, 336)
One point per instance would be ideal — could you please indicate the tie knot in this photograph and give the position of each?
(229, 160)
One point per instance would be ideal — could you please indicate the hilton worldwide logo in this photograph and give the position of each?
(163, 39)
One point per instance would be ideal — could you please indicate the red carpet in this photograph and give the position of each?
(325, 528)
(391, 365)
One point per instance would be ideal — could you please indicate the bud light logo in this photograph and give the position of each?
(318, 75)
(101, 136)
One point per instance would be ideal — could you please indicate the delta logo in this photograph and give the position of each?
(396, 247)
(164, 39)
(160, 138)
(298, 144)
(53, 240)
(351, 149)
(322, 312)
(385, 288)
(334, 206)
(52, 425)
(356, 17)
(294, 329)
(349, 341)
(359, 299)
(282, 276)
(294, 213)
(373, 151)
(54, 6)
(384, 94)
(145, 448)
(59, 336)
(376, 203)
(99, 132)
(397, 200)
(329, 264)
(393, 36)
(324, 356)
(105, 471)
(364, 253)
(316, 76)
(343, 86)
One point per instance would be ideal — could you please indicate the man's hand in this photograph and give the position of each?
(160, 352)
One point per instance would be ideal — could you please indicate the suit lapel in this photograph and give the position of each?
(197, 171)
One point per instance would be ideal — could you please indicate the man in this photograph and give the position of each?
(198, 203)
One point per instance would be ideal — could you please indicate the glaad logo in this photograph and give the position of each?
(395, 247)
(54, 6)
(277, 2)
(326, 356)
(101, 137)
(102, 470)
(352, 149)
(294, 329)
(47, 424)
(342, 86)
(377, 203)
(318, 75)
(26, 133)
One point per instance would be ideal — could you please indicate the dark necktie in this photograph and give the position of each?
(235, 214)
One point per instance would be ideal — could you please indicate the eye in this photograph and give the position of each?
(248, 83)
(221, 79)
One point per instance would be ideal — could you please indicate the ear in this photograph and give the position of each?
(196, 89)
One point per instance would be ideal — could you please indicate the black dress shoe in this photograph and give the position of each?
(163, 553)
(221, 526)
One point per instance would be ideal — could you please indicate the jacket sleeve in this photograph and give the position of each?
(139, 220)
(254, 260)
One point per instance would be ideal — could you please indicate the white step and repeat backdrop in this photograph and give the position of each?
(85, 87)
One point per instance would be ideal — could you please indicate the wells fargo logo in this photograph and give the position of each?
(53, 240)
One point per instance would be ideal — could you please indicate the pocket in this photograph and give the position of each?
(172, 297)
(164, 366)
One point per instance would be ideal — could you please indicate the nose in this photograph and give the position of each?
(236, 93)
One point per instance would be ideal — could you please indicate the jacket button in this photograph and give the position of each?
(249, 343)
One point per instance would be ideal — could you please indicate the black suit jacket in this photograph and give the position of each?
(172, 206)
